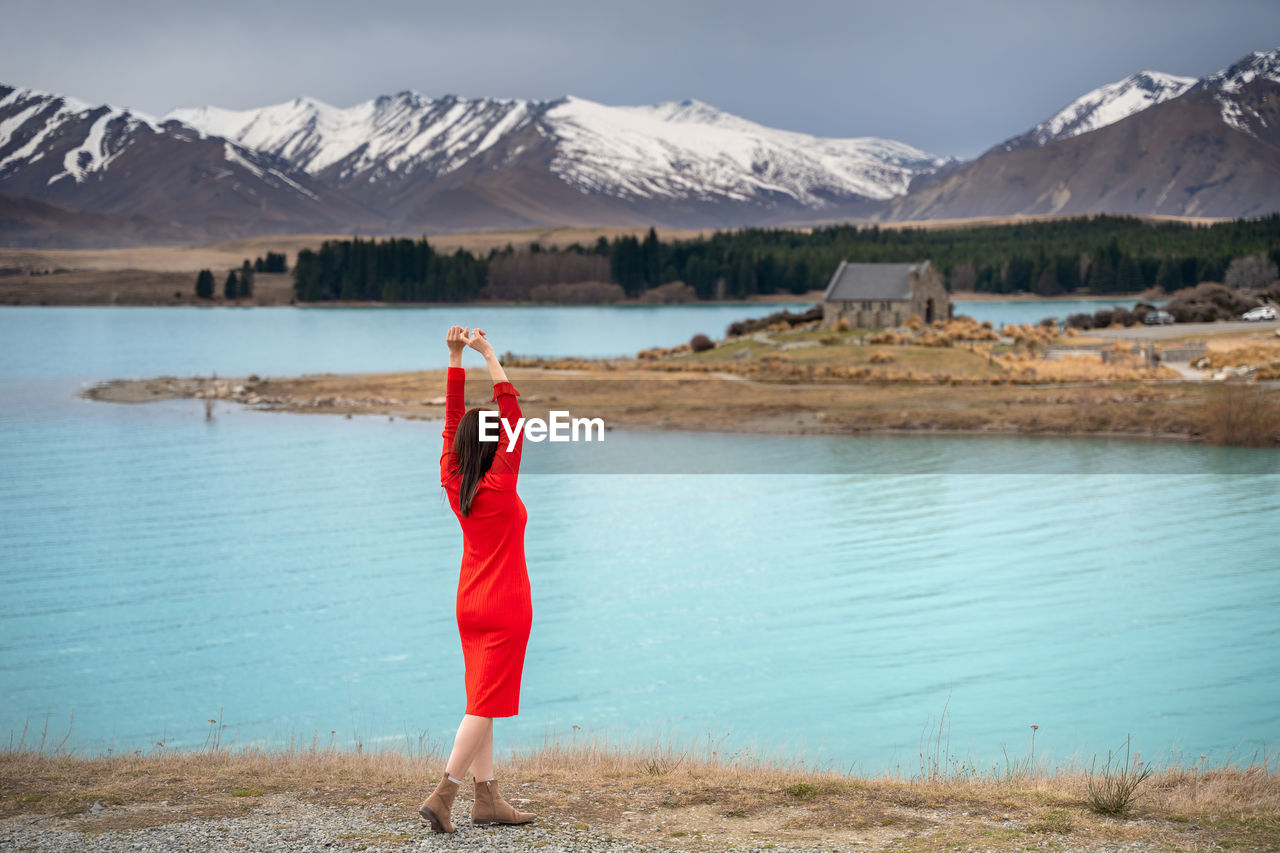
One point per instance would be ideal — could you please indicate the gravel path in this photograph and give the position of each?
(1177, 330)
(284, 823)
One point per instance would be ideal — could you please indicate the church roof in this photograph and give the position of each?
(852, 282)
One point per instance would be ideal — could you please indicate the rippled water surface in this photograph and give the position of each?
(295, 574)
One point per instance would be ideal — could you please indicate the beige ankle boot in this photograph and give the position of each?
(437, 807)
(489, 807)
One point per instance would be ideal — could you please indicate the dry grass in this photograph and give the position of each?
(134, 287)
(229, 253)
(699, 798)
(1262, 354)
(1240, 413)
(810, 401)
(1077, 368)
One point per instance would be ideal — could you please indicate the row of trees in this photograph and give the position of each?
(395, 270)
(237, 285)
(1101, 254)
(273, 262)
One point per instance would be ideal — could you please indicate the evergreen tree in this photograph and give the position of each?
(1169, 275)
(231, 290)
(204, 284)
(306, 277)
(1129, 276)
(246, 280)
(652, 258)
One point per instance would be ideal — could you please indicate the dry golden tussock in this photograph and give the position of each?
(1241, 413)
(1252, 354)
(701, 797)
(1073, 368)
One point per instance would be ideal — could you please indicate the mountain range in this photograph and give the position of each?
(74, 174)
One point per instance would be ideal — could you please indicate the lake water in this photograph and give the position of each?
(295, 574)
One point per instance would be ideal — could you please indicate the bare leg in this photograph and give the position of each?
(473, 733)
(482, 763)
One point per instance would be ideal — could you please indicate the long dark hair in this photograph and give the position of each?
(474, 456)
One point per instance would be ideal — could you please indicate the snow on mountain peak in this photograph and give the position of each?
(1225, 87)
(676, 149)
(1263, 64)
(689, 149)
(38, 118)
(388, 133)
(1105, 105)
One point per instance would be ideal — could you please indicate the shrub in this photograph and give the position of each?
(1207, 302)
(1102, 318)
(881, 358)
(1241, 413)
(580, 292)
(1080, 321)
(746, 327)
(1113, 788)
(701, 343)
(1251, 271)
(931, 339)
(843, 325)
(667, 294)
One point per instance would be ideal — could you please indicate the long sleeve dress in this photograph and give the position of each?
(494, 606)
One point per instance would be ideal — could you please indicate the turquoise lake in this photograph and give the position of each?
(294, 574)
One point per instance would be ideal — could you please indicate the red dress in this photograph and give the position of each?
(494, 607)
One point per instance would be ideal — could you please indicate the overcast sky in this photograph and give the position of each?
(951, 77)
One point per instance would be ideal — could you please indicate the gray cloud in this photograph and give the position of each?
(950, 77)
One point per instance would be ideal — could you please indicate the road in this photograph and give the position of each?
(1182, 330)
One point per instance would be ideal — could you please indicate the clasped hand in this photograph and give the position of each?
(460, 337)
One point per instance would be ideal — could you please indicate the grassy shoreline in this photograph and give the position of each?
(707, 401)
(661, 796)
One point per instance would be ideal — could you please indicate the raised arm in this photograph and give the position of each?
(505, 462)
(454, 396)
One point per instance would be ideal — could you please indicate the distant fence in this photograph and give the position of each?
(1146, 349)
(1188, 351)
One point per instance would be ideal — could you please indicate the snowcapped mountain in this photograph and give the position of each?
(687, 151)
(1150, 143)
(1103, 106)
(692, 150)
(109, 160)
(1212, 149)
(1241, 90)
(388, 135)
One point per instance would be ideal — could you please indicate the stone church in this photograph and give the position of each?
(876, 296)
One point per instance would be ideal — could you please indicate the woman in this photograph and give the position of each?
(494, 608)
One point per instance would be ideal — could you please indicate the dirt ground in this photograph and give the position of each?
(658, 797)
(230, 253)
(134, 287)
(638, 399)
